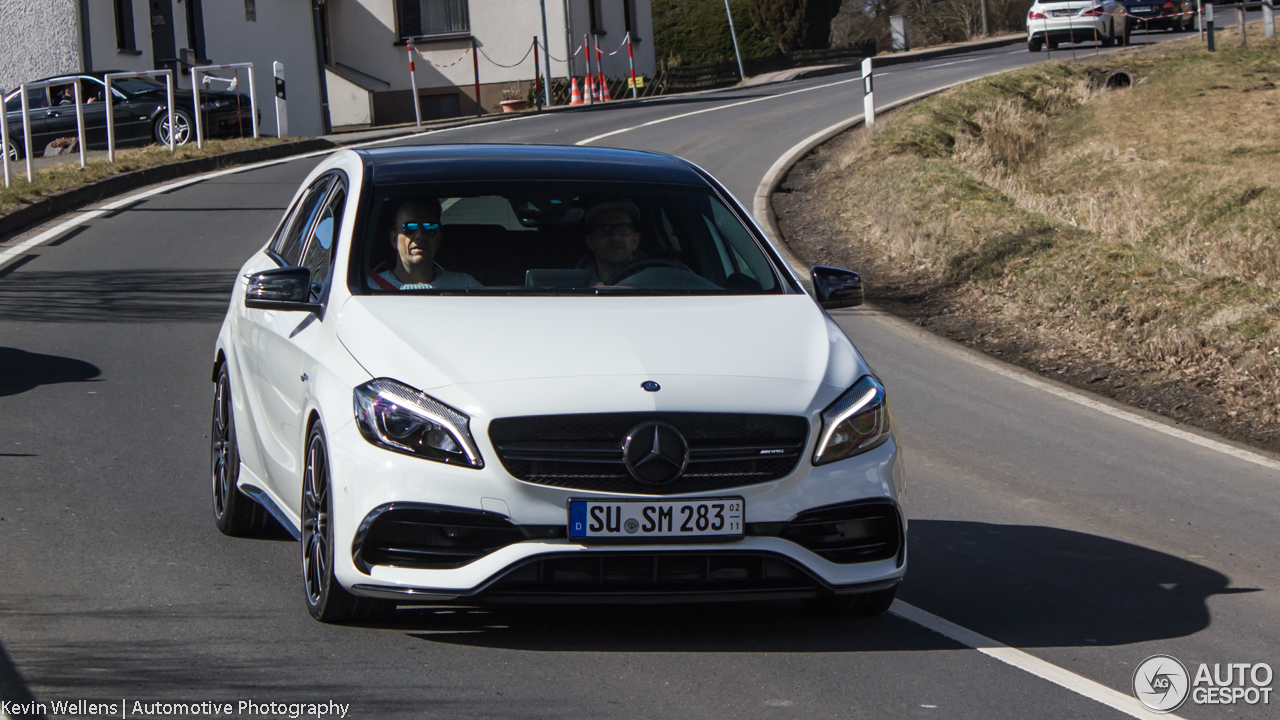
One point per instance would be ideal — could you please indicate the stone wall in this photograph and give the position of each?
(39, 39)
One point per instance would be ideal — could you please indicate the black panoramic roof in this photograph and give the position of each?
(459, 163)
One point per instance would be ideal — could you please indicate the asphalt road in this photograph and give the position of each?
(1081, 537)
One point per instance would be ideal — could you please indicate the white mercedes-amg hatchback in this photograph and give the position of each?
(495, 374)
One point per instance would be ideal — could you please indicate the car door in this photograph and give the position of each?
(37, 109)
(271, 389)
(60, 118)
(296, 343)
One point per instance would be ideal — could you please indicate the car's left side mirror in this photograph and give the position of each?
(286, 288)
(835, 287)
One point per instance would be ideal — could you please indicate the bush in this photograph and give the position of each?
(693, 32)
(796, 24)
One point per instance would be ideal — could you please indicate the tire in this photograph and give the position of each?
(182, 119)
(327, 600)
(1035, 45)
(14, 150)
(862, 605)
(235, 514)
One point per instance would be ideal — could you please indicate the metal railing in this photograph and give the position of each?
(26, 115)
(111, 124)
(195, 91)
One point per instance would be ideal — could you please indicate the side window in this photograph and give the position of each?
(319, 255)
(288, 244)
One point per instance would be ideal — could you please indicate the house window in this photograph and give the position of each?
(629, 17)
(432, 17)
(124, 26)
(250, 11)
(597, 17)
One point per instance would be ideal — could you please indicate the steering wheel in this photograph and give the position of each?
(636, 266)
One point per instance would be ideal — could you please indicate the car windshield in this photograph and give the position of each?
(558, 238)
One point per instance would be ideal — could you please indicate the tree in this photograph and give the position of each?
(795, 24)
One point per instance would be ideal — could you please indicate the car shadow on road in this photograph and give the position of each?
(21, 371)
(1026, 586)
(117, 296)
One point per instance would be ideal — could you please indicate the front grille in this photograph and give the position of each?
(584, 452)
(677, 575)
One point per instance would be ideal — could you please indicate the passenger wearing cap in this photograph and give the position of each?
(612, 236)
(416, 237)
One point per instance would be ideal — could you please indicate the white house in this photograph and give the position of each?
(367, 51)
(346, 61)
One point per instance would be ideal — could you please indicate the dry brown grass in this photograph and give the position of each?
(1134, 229)
(67, 176)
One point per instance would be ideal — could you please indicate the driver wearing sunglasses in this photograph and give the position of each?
(416, 237)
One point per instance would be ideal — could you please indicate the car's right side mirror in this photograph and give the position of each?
(835, 287)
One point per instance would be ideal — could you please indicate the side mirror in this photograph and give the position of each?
(836, 288)
(287, 288)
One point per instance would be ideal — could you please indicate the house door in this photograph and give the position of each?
(163, 49)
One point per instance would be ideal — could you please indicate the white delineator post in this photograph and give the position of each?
(195, 92)
(1268, 19)
(282, 110)
(413, 84)
(111, 119)
(868, 96)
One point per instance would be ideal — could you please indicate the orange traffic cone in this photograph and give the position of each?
(606, 91)
(575, 97)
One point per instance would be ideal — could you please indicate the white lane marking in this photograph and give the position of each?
(1027, 663)
(763, 212)
(957, 62)
(713, 109)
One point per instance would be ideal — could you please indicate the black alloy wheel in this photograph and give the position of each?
(862, 605)
(183, 124)
(327, 600)
(235, 513)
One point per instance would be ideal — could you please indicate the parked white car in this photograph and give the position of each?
(520, 373)
(1076, 21)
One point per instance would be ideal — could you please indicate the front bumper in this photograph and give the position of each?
(367, 480)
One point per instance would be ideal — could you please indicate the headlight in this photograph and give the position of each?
(855, 423)
(397, 417)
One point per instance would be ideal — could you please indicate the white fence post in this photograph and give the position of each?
(4, 139)
(1268, 19)
(26, 126)
(868, 96)
(282, 111)
(79, 120)
(168, 87)
(195, 97)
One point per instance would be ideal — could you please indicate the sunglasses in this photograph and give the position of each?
(412, 227)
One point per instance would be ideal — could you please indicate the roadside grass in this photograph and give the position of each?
(68, 176)
(1135, 229)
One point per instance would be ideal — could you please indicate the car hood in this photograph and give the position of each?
(431, 342)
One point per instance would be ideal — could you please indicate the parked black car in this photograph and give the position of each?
(1171, 15)
(139, 106)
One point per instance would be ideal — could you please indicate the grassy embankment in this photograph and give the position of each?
(1123, 240)
(67, 176)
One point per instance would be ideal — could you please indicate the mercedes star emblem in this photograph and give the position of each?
(655, 453)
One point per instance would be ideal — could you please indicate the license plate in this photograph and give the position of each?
(704, 517)
(1060, 13)
(1142, 9)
